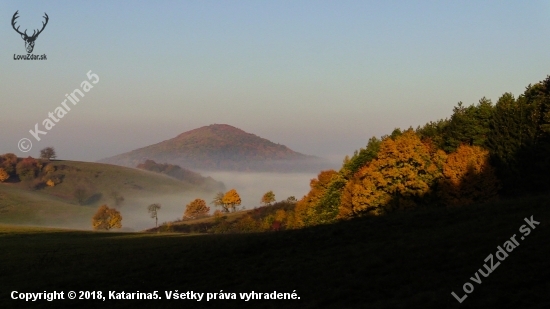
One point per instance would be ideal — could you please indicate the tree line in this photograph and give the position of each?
(35, 173)
(481, 153)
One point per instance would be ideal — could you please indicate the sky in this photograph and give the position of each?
(320, 77)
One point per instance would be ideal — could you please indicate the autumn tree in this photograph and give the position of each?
(196, 209)
(468, 177)
(321, 205)
(305, 207)
(231, 200)
(325, 210)
(3, 175)
(278, 219)
(8, 161)
(27, 169)
(47, 153)
(106, 218)
(401, 177)
(268, 198)
(153, 211)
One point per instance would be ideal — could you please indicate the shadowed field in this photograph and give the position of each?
(404, 260)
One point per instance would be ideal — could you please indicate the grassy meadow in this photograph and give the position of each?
(411, 259)
(57, 206)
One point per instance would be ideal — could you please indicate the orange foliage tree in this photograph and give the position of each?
(196, 209)
(400, 177)
(8, 162)
(303, 211)
(3, 175)
(106, 218)
(231, 200)
(468, 177)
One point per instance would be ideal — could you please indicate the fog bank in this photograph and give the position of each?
(250, 186)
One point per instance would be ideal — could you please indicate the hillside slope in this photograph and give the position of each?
(183, 174)
(220, 147)
(59, 206)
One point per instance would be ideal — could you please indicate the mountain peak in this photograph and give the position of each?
(214, 128)
(218, 147)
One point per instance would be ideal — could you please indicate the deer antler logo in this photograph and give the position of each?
(29, 40)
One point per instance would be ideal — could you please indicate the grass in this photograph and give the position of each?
(403, 260)
(57, 206)
(20, 206)
(105, 178)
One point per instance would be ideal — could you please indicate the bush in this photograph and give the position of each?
(27, 169)
(106, 218)
(4, 175)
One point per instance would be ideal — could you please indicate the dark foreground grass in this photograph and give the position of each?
(404, 260)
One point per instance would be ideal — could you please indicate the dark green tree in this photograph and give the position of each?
(47, 153)
(361, 157)
(468, 125)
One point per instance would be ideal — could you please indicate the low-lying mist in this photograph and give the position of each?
(250, 186)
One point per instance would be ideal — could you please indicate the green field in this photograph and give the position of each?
(57, 206)
(403, 260)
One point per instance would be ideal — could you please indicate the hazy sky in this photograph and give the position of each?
(318, 76)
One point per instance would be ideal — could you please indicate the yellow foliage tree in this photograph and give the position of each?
(3, 175)
(196, 209)
(231, 200)
(280, 215)
(50, 183)
(106, 218)
(402, 174)
(468, 177)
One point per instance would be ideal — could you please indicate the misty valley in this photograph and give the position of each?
(415, 198)
(275, 154)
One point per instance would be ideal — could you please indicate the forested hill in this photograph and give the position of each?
(482, 153)
(221, 147)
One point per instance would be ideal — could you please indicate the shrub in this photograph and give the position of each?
(4, 175)
(106, 218)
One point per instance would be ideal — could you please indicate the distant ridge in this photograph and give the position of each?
(183, 174)
(221, 147)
